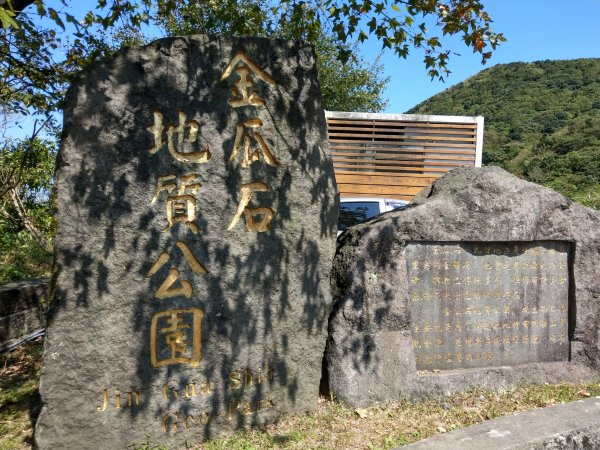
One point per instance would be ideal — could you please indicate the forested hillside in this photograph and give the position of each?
(542, 121)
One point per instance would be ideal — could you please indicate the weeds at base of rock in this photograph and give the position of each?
(331, 426)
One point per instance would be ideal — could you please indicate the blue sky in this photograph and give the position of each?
(535, 30)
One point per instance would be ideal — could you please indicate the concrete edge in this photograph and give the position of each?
(574, 425)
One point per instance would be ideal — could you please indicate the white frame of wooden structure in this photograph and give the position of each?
(396, 155)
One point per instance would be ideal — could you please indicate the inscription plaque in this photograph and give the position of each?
(488, 304)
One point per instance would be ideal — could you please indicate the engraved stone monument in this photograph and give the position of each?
(485, 281)
(197, 217)
(492, 304)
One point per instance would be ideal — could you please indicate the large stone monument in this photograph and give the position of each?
(197, 217)
(485, 281)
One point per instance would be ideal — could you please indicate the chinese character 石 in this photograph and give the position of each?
(182, 206)
(180, 137)
(246, 131)
(176, 337)
(166, 289)
(244, 93)
(257, 219)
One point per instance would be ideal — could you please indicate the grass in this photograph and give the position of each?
(19, 398)
(334, 426)
(331, 426)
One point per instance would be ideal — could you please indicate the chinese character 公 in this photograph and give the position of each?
(166, 290)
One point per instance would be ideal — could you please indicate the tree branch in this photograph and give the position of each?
(37, 235)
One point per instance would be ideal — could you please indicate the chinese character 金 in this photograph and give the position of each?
(244, 93)
(166, 289)
(182, 206)
(257, 219)
(180, 137)
(176, 337)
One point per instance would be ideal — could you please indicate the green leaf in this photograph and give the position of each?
(72, 20)
(6, 17)
(54, 16)
(40, 8)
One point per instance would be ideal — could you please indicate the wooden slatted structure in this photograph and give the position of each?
(396, 155)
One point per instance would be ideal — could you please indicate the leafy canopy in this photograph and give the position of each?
(43, 45)
(31, 76)
(350, 86)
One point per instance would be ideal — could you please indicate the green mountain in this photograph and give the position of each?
(542, 121)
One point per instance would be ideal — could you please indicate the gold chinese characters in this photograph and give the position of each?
(176, 337)
(477, 304)
(176, 332)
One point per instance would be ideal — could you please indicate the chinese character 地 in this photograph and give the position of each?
(179, 138)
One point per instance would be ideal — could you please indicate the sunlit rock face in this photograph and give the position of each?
(485, 281)
(197, 215)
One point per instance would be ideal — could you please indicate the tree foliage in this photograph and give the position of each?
(34, 78)
(26, 224)
(353, 85)
(542, 121)
(43, 45)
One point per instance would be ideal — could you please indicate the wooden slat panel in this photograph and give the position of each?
(379, 137)
(387, 180)
(420, 157)
(396, 159)
(403, 144)
(395, 163)
(401, 123)
(392, 169)
(380, 174)
(395, 196)
(398, 132)
(430, 148)
(377, 190)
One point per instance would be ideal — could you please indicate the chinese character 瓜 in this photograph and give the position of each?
(180, 137)
(166, 289)
(176, 337)
(181, 207)
(247, 131)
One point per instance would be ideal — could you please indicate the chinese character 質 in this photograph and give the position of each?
(181, 207)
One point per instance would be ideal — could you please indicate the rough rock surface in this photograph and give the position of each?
(370, 356)
(170, 318)
(23, 306)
